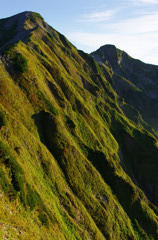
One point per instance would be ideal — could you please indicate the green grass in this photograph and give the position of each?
(68, 154)
(3, 119)
(44, 219)
(37, 15)
(50, 106)
(20, 63)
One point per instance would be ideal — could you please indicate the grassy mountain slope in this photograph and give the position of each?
(72, 165)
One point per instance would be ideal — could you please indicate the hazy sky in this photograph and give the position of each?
(131, 25)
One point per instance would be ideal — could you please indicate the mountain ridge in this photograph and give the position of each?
(72, 164)
(140, 79)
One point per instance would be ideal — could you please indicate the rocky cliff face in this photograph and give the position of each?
(72, 163)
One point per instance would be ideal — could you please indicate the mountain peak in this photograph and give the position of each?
(106, 52)
(17, 26)
(18, 16)
(108, 46)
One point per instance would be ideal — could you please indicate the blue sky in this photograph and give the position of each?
(130, 25)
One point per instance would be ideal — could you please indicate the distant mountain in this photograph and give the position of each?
(78, 141)
(135, 81)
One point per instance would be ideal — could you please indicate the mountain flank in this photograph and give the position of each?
(133, 80)
(78, 144)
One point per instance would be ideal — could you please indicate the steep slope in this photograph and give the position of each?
(135, 81)
(65, 144)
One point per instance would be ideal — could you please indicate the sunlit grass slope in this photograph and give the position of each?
(72, 165)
